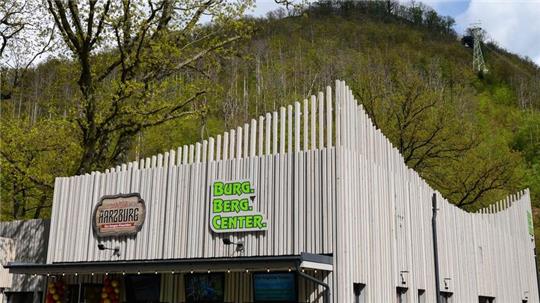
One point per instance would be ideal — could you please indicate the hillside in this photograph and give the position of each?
(476, 139)
(480, 139)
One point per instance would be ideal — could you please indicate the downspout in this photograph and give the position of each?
(45, 289)
(319, 282)
(435, 251)
(537, 273)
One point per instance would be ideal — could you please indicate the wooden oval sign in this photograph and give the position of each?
(119, 215)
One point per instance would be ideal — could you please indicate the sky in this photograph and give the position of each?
(512, 24)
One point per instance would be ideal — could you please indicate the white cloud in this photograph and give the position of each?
(514, 25)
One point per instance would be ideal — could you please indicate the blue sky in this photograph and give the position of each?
(512, 24)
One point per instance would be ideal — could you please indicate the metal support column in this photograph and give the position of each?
(435, 249)
(319, 282)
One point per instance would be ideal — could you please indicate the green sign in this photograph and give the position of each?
(232, 207)
(530, 221)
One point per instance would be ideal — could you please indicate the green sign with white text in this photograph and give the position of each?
(232, 207)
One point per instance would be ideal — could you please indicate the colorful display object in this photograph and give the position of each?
(55, 291)
(274, 287)
(208, 288)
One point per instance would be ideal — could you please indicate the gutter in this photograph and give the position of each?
(435, 248)
(319, 282)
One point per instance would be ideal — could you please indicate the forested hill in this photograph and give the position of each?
(475, 138)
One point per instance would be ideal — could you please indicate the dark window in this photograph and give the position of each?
(143, 288)
(401, 295)
(421, 296)
(359, 293)
(21, 297)
(275, 287)
(207, 288)
(91, 293)
(484, 299)
(446, 297)
(72, 294)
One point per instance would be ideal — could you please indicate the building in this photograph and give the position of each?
(7, 252)
(29, 245)
(307, 204)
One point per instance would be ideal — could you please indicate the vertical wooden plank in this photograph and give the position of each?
(283, 130)
(275, 133)
(184, 156)
(226, 146)
(218, 148)
(320, 100)
(232, 143)
(211, 146)
(328, 116)
(170, 221)
(59, 190)
(178, 156)
(198, 147)
(191, 156)
(208, 250)
(246, 140)
(338, 115)
(253, 138)
(239, 142)
(261, 136)
(182, 204)
(297, 127)
(306, 125)
(290, 129)
(267, 128)
(313, 122)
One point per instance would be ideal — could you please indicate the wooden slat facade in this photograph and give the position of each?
(30, 245)
(328, 182)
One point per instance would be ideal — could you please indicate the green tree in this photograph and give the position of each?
(31, 158)
(131, 56)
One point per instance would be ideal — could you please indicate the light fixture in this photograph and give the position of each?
(191, 271)
(138, 272)
(228, 271)
(209, 271)
(289, 269)
(106, 273)
(267, 269)
(302, 270)
(172, 272)
(402, 275)
(116, 250)
(63, 274)
(247, 271)
(239, 245)
(446, 282)
(76, 274)
(92, 274)
(315, 271)
(123, 273)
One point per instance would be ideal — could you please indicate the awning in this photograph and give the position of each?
(290, 262)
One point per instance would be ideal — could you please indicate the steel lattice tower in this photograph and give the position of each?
(479, 64)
